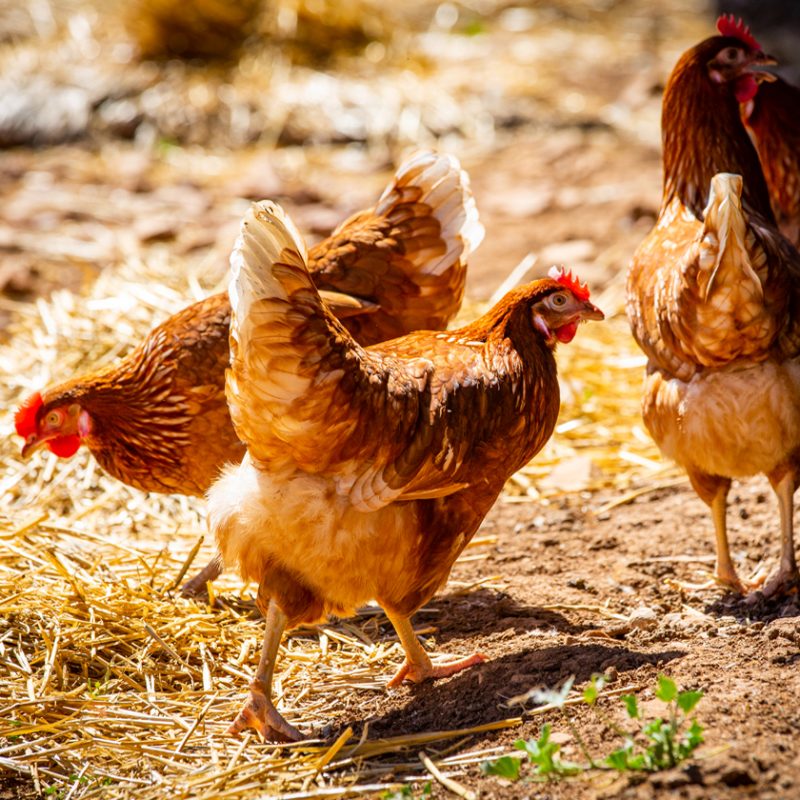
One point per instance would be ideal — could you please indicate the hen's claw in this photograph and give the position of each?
(416, 673)
(784, 581)
(722, 579)
(197, 587)
(261, 715)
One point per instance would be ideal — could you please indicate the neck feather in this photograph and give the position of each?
(702, 135)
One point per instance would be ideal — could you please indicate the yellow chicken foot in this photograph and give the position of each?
(196, 586)
(258, 712)
(724, 571)
(785, 578)
(418, 667)
(261, 715)
(717, 580)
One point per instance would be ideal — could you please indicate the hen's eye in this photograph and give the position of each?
(53, 418)
(559, 300)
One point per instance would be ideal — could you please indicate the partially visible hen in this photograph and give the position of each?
(158, 419)
(369, 469)
(773, 117)
(714, 298)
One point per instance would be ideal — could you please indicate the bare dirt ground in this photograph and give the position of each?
(545, 560)
(571, 175)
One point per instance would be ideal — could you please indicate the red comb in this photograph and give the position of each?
(25, 418)
(728, 25)
(570, 281)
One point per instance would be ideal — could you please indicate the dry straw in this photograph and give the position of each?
(112, 685)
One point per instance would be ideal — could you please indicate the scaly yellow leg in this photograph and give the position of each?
(786, 578)
(418, 666)
(713, 491)
(258, 712)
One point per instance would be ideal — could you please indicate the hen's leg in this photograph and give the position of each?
(418, 666)
(196, 586)
(713, 491)
(258, 712)
(786, 577)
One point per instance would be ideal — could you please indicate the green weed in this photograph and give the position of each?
(407, 793)
(654, 745)
(664, 742)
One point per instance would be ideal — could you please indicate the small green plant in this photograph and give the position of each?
(667, 742)
(541, 752)
(504, 767)
(658, 744)
(407, 793)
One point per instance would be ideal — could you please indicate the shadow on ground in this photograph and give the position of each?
(479, 695)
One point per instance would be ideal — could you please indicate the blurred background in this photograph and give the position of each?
(134, 133)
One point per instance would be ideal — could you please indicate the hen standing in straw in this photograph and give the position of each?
(158, 419)
(369, 469)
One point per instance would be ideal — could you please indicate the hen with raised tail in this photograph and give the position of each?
(369, 469)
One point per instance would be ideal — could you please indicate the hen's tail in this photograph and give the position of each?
(407, 255)
(283, 337)
(727, 264)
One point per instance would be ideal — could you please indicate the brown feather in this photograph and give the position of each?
(775, 124)
(713, 296)
(702, 134)
(369, 469)
(159, 417)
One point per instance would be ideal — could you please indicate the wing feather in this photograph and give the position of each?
(384, 423)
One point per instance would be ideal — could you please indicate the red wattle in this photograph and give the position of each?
(65, 446)
(566, 333)
(746, 88)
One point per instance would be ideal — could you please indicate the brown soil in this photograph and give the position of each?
(744, 657)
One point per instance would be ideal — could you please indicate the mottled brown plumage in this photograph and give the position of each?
(158, 419)
(369, 469)
(698, 114)
(714, 299)
(773, 117)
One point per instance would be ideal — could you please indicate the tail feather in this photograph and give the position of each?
(444, 188)
(407, 255)
(716, 305)
(267, 237)
(724, 252)
(280, 330)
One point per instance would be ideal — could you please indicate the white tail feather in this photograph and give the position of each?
(445, 188)
(265, 234)
(725, 219)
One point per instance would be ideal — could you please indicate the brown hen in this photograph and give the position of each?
(714, 298)
(369, 469)
(158, 420)
(773, 117)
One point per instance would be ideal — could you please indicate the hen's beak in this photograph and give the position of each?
(757, 68)
(591, 311)
(32, 444)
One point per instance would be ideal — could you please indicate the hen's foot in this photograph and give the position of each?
(724, 580)
(416, 673)
(261, 715)
(195, 588)
(784, 581)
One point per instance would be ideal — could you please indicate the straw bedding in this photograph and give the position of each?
(112, 683)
